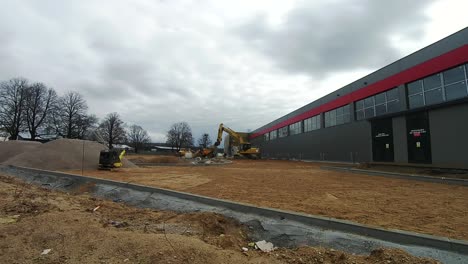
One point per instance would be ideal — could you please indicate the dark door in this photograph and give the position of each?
(382, 140)
(419, 138)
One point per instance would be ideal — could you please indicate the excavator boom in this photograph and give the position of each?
(245, 147)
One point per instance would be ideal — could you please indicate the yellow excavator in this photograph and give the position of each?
(110, 159)
(239, 140)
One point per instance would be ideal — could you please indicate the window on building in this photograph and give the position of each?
(295, 128)
(379, 104)
(338, 116)
(312, 123)
(283, 132)
(445, 86)
(266, 136)
(273, 134)
(455, 82)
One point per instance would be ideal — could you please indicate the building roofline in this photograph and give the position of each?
(460, 44)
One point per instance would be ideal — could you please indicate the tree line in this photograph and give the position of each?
(180, 136)
(37, 109)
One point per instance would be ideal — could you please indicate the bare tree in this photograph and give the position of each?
(12, 106)
(204, 141)
(69, 114)
(137, 137)
(180, 135)
(39, 104)
(84, 124)
(112, 129)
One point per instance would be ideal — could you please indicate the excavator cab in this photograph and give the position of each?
(109, 159)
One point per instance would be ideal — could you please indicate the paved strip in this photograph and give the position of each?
(397, 175)
(283, 228)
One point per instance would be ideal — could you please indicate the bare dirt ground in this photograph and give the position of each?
(422, 207)
(33, 219)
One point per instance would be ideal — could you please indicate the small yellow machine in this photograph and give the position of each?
(109, 159)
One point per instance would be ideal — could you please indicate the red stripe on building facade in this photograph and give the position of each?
(447, 60)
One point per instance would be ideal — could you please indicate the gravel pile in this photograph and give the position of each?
(12, 148)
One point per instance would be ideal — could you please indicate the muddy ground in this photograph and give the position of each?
(77, 228)
(429, 208)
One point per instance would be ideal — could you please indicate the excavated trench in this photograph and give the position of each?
(283, 229)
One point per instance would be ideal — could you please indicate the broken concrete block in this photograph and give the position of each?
(265, 246)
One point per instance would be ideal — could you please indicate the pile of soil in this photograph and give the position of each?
(62, 154)
(12, 148)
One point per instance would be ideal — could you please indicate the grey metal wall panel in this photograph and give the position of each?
(449, 136)
(400, 143)
(349, 142)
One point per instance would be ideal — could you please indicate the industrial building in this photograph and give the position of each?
(414, 110)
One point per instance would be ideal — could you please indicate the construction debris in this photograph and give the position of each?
(212, 161)
(46, 251)
(118, 224)
(265, 246)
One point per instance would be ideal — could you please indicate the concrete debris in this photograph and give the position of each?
(46, 251)
(212, 161)
(265, 246)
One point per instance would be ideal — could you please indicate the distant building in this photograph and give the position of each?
(414, 110)
(162, 149)
(123, 146)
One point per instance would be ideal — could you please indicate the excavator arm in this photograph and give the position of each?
(231, 132)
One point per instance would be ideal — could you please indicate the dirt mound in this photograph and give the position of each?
(62, 154)
(9, 149)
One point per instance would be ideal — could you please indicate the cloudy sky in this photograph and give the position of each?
(243, 63)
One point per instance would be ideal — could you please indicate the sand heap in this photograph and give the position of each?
(62, 154)
(12, 148)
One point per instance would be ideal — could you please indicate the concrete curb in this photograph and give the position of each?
(395, 236)
(396, 175)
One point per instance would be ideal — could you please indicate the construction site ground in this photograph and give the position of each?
(423, 207)
(38, 225)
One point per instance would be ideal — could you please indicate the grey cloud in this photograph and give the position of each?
(334, 36)
(157, 63)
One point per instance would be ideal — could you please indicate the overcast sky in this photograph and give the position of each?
(243, 63)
